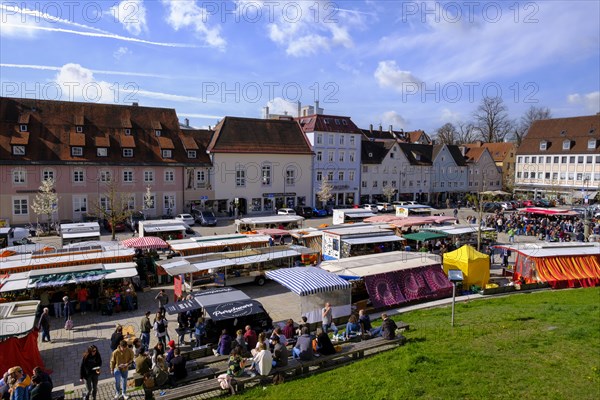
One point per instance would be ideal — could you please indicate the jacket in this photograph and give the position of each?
(388, 329)
(21, 389)
(119, 357)
(88, 364)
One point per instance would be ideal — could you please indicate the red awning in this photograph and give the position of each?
(145, 243)
(547, 211)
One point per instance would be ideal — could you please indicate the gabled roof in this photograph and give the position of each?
(579, 130)
(399, 136)
(374, 152)
(253, 135)
(498, 151)
(52, 131)
(327, 123)
(456, 155)
(473, 154)
(416, 136)
(376, 134)
(417, 154)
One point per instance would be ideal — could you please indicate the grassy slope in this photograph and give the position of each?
(528, 346)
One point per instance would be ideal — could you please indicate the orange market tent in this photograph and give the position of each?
(474, 265)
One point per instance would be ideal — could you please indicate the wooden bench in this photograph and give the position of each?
(195, 388)
(58, 394)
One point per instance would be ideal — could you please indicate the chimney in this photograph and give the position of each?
(187, 122)
(316, 106)
(209, 128)
(135, 104)
(370, 127)
(380, 128)
(266, 112)
(391, 130)
(299, 109)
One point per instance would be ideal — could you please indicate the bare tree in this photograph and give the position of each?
(492, 120)
(326, 192)
(466, 133)
(532, 114)
(115, 206)
(46, 201)
(388, 191)
(447, 134)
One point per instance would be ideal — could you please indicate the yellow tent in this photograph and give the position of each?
(474, 265)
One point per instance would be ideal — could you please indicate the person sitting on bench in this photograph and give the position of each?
(388, 327)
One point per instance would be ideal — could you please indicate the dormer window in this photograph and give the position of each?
(592, 130)
(543, 145)
(102, 152)
(76, 151)
(191, 153)
(344, 122)
(23, 128)
(79, 129)
(370, 155)
(591, 144)
(167, 154)
(128, 153)
(127, 131)
(157, 132)
(566, 144)
(563, 133)
(18, 150)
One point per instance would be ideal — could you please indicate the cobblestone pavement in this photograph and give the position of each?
(63, 355)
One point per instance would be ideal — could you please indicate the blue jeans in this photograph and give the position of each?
(296, 352)
(145, 337)
(333, 327)
(45, 334)
(120, 380)
(375, 331)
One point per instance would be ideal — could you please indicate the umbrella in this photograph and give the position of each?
(145, 243)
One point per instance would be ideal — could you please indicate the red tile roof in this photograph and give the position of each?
(189, 143)
(579, 130)
(51, 123)
(498, 151)
(76, 139)
(327, 123)
(473, 153)
(252, 135)
(165, 143)
(20, 138)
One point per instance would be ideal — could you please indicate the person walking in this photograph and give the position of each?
(145, 328)
(44, 325)
(67, 308)
(163, 300)
(82, 297)
(160, 328)
(90, 370)
(120, 361)
(199, 331)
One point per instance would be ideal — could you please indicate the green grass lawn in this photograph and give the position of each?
(543, 345)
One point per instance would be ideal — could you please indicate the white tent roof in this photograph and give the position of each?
(373, 239)
(373, 264)
(555, 249)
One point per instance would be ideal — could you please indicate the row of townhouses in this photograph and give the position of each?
(242, 165)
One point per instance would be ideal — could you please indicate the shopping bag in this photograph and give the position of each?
(69, 324)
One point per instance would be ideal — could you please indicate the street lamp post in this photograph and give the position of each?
(586, 226)
(480, 216)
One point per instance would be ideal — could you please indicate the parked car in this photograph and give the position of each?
(384, 207)
(304, 211)
(319, 212)
(119, 226)
(371, 207)
(405, 203)
(286, 211)
(542, 203)
(507, 205)
(527, 203)
(206, 218)
(187, 218)
(134, 220)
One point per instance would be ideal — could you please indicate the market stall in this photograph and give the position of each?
(315, 287)
(474, 265)
(395, 278)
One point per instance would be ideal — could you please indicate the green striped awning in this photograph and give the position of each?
(423, 236)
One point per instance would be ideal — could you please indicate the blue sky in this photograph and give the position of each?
(413, 65)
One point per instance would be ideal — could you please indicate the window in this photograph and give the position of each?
(363, 184)
(572, 160)
(566, 145)
(167, 154)
(319, 138)
(526, 175)
(571, 176)
(127, 131)
(20, 206)
(319, 176)
(393, 184)
(19, 176)
(150, 201)
(519, 159)
(131, 202)
(341, 175)
(23, 128)
(330, 156)
(342, 137)
(191, 153)
(337, 122)
(342, 156)
(374, 184)
(591, 144)
(526, 160)
(418, 183)
(533, 160)
(79, 204)
(394, 170)
(128, 153)
(319, 156)
(392, 155)
(266, 174)
(580, 160)
(105, 176)
(103, 203)
(76, 151)
(548, 160)
(329, 176)
(157, 132)
(554, 175)
(386, 169)
(79, 129)
(18, 150)
(384, 183)
(597, 159)
(47, 174)
(331, 138)
(290, 176)
(78, 176)
(579, 176)
(128, 176)
(365, 168)
(169, 202)
(563, 176)
(351, 139)
(351, 156)
(563, 159)
(543, 145)
(351, 176)
(169, 176)
(102, 152)
(148, 176)
(240, 177)
(442, 184)
(589, 159)
(555, 160)
(547, 175)
(201, 176)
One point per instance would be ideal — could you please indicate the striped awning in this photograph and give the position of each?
(307, 280)
(145, 243)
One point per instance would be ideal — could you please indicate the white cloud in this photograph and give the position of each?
(389, 75)
(449, 116)
(393, 118)
(95, 71)
(590, 101)
(132, 15)
(187, 14)
(280, 106)
(120, 52)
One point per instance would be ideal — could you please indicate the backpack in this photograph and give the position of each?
(160, 327)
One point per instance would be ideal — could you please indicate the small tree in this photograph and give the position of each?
(389, 191)
(116, 208)
(46, 201)
(148, 201)
(326, 192)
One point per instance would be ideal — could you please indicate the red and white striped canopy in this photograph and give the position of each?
(145, 243)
